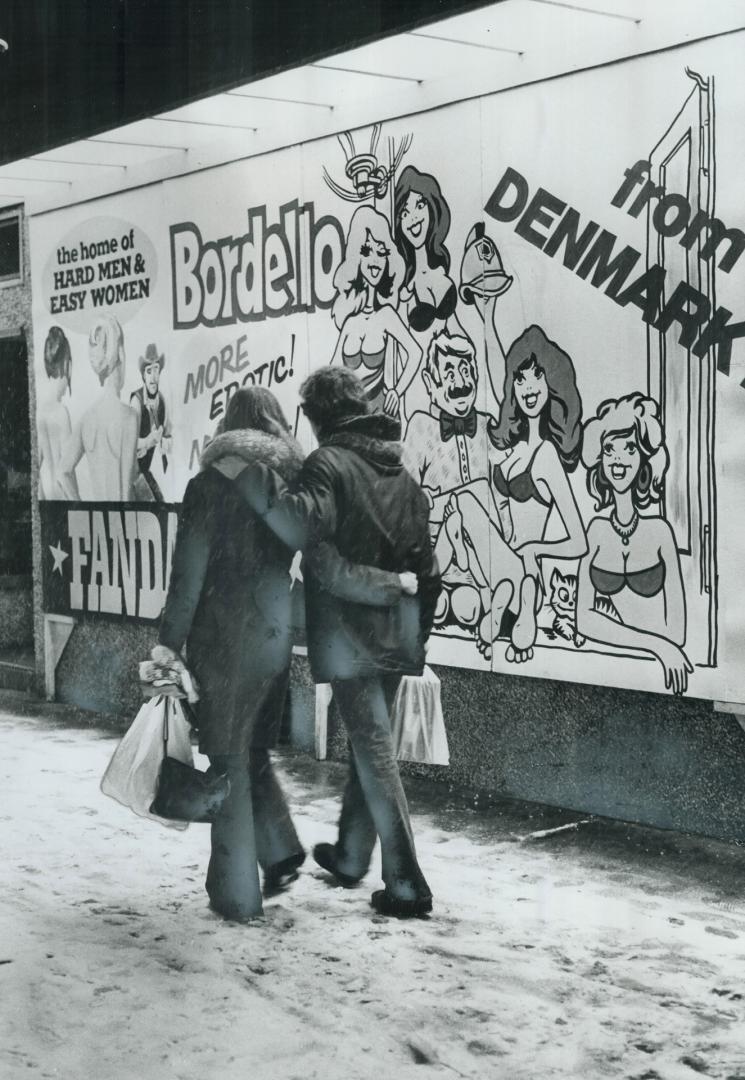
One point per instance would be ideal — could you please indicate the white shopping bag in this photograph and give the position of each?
(132, 774)
(417, 722)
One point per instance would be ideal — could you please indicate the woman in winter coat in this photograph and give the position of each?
(229, 602)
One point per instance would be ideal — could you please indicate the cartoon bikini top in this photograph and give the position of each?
(369, 360)
(422, 315)
(521, 488)
(647, 582)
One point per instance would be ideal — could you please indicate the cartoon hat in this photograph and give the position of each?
(151, 357)
(481, 271)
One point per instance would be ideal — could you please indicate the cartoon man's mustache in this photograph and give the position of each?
(464, 391)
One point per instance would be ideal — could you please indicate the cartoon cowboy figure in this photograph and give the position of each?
(154, 425)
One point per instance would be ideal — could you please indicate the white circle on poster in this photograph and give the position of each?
(104, 265)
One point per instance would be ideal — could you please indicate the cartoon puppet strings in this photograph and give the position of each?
(630, 588)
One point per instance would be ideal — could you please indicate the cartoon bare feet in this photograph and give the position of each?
(492, 620)
(453, 520)
(442, 609)
(525, 629)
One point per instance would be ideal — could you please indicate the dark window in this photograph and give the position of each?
(10, 248)
(15, 459)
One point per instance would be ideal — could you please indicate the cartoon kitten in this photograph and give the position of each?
(564, 603)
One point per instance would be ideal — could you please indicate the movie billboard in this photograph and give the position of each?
(547, 289)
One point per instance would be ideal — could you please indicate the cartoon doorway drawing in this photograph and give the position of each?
(683, 162)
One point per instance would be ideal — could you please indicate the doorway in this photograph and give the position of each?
(16, 604)
(15, 459)
(683, 163)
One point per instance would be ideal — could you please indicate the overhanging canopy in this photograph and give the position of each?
(483, 50)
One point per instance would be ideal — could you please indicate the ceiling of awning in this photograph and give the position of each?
(480, 51)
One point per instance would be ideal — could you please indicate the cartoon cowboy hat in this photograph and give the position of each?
(152, 356)
(481, 270)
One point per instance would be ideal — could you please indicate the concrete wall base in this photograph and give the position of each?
(652, 759)
(16, 612)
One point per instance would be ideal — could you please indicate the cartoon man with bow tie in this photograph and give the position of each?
(445, 450)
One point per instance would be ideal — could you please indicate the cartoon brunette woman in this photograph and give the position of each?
(630, 588)
(422, 223)
(53, 423)
(539, 427)
(367, 283)
(421, 226)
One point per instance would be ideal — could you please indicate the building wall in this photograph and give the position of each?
(16, 612)
(668, 762)
(642, 757)
(17, 594)
(634, 755)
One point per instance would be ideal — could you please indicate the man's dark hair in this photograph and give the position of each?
(331, 395)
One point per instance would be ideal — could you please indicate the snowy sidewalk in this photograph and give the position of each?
(602, 951)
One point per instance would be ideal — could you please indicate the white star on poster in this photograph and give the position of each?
(59, 555)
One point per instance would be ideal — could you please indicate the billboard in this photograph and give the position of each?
(545, 285)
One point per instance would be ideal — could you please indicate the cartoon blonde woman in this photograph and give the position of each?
(367, 284)
(539, 433)
(630, 589)
(53, 423)
(107, 430)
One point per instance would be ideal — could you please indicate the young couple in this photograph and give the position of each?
(371, 586)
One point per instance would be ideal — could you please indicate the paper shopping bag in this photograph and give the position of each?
(417, 722)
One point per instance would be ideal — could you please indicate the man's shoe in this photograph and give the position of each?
(325, 856)
(385, 904)
(231, 914)
(279, 876)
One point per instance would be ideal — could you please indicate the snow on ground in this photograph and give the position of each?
(600, 952)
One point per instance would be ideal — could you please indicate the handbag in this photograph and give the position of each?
(131, 776)
(417, 723)
(184, 793)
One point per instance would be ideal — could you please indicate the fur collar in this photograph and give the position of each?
(256, 447)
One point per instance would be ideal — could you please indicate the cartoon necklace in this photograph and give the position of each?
(625, 531)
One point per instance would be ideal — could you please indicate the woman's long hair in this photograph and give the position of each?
(633, 416)
(561, 418)
(424, 184)
(348, 280)
(57, 355)
(256, 408)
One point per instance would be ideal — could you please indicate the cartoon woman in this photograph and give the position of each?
(630, 588)
(107, 431)
(367, 284)
(539, 429)
(421, 226)
(422, 223)
(53, 423)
